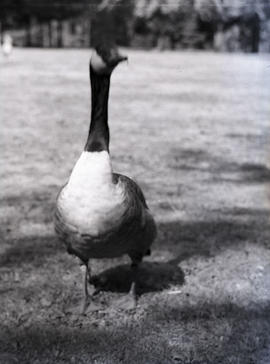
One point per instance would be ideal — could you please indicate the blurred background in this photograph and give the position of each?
(222, 25)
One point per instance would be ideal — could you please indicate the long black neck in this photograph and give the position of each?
(99, 135)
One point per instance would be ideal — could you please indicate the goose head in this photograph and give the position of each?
(105, 58)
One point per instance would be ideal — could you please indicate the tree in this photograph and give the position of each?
(112, 21)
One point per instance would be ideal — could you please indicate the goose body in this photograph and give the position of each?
(104, 215)
(90, 201)
(99, 213)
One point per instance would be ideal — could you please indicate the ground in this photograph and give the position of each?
(193, 130)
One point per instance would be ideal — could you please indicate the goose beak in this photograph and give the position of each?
(122, 58)
(118, 59)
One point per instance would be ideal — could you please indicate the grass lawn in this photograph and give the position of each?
(193, 130)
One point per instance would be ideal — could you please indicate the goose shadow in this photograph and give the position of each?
(152, 277)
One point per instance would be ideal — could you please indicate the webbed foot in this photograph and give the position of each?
(126, 303)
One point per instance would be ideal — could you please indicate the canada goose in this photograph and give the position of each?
(101, 214)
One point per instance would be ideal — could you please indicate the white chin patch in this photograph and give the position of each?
(97, 63)
(90, 200)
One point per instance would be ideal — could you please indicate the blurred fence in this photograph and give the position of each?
(142, 24)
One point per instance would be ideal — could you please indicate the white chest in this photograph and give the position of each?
(90, 201)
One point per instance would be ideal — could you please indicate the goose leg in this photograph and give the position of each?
(88, 303)
(86, 275)
(129, 301)
(132, 291)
